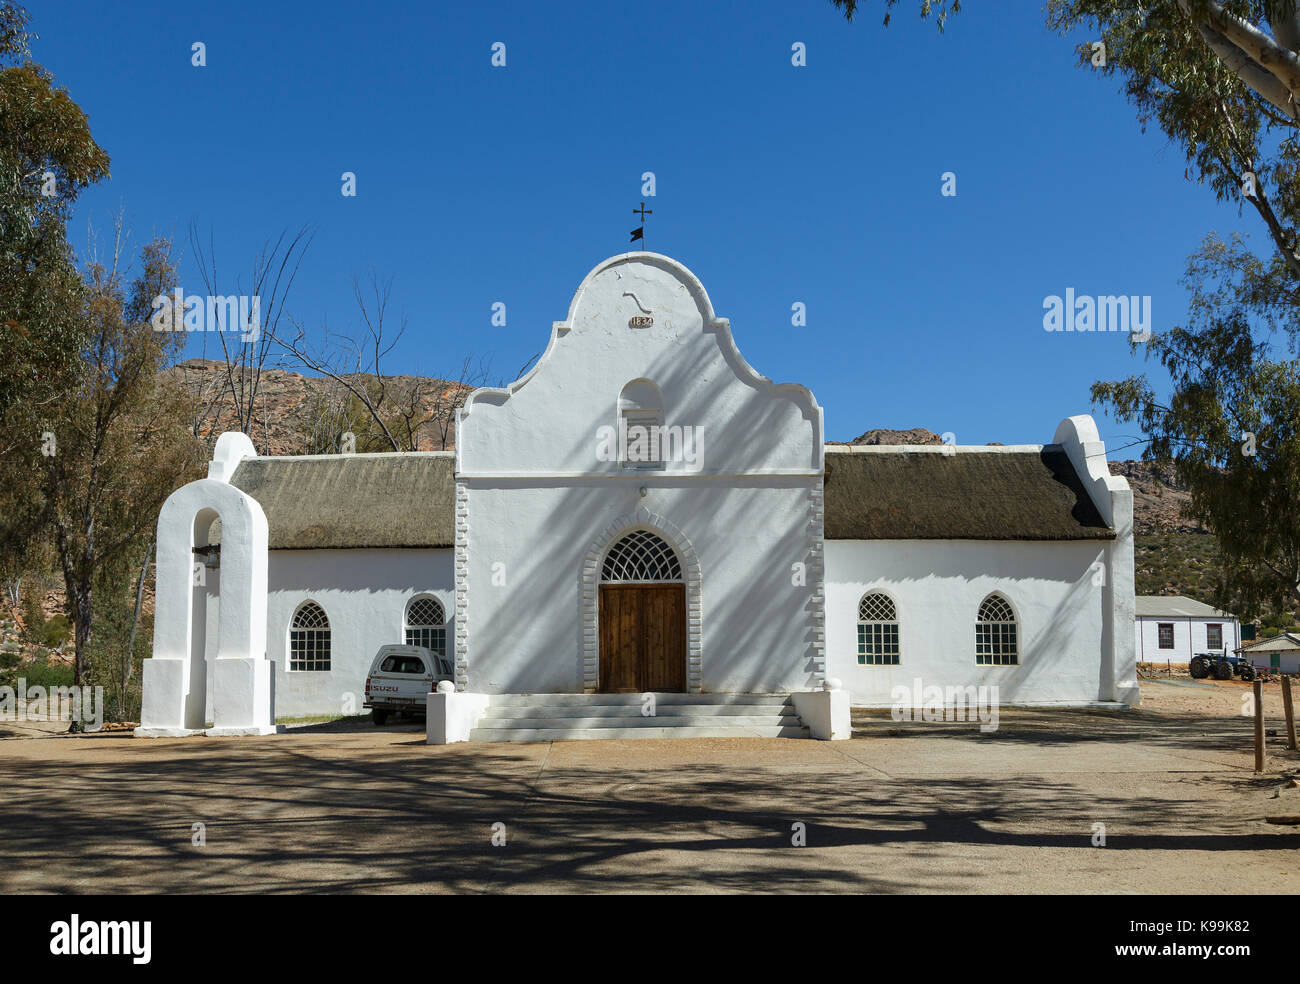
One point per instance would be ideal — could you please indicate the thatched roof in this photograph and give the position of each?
(891, 493)
(354, 500)
(903, 493)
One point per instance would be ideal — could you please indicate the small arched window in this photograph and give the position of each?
(309, 639)
(996, 642)
(640, 425)
(877, 630)
(641, 556)
(426, 625)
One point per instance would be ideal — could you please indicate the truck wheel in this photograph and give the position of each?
(378, 716)
(1223, 671)
(1199, 668)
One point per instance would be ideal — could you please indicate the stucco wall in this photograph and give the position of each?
(364, 594)
(526, 635)
(937, 587)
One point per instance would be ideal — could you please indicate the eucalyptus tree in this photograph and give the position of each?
(940, 8)
(1231, 421)
(119, 443)
(47, 157)
(1221, 81)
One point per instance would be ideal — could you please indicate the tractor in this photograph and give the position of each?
(1220, 666)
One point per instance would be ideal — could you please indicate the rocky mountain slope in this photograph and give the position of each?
(297, 414)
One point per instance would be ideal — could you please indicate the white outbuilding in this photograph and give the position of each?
(1173, 629)
(643, 513)
(1280, 653)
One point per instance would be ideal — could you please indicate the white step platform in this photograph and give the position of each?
(454, 717)
(573, 717)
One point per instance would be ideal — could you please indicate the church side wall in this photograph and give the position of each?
(364, 594)
(937, 587)
(528, 542)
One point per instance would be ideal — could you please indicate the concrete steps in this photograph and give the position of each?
(583, 734)
(573, 717)
(636, 700)
(630, 723)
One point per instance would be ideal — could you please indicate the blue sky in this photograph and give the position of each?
(776, 184)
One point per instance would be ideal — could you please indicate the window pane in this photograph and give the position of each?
(996, 641)
(877, 636)
(433, 638)
(309, 639)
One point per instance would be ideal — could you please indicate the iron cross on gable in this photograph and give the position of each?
(639, 233)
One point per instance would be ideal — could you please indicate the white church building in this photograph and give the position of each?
(644, 513)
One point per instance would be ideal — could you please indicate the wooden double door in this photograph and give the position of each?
(642, 638)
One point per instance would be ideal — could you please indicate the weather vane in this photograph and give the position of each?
(639, 232)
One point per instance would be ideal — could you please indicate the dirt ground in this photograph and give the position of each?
(1232, 699)
(1212, 697)
(901, 808)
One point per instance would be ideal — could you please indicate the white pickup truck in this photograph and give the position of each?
(401, 678)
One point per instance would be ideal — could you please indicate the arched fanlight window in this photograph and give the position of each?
(877, 630)
(309, 639)
(426, 625)
(996, 642)
(641, 556)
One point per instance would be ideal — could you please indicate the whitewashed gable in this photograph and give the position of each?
(640, 318)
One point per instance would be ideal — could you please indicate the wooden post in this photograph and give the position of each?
(1259, 725)
(1290, 712)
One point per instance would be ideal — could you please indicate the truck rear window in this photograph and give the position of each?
(402, 664)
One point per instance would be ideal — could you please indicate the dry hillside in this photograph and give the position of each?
(297, 414)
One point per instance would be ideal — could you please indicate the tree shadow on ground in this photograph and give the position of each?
(329, 815)
(1052, 726)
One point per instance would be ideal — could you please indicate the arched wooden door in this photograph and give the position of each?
(642, 641)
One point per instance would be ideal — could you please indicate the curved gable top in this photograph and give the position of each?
(640, 316)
